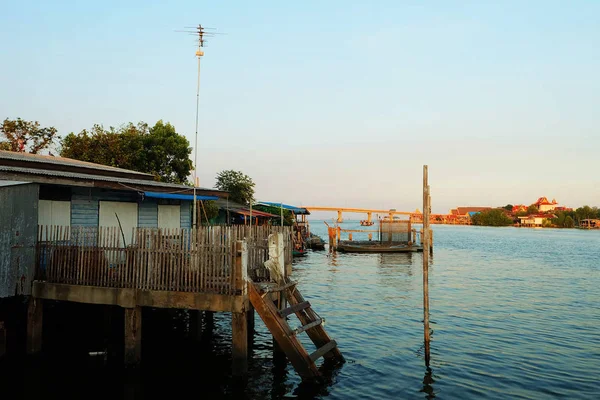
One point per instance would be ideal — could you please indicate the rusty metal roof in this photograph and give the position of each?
(33, 175)
(66, 162)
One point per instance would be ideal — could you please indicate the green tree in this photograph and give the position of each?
(27, 136)
(209, 210)
(585, 212)
(158, 150)
(569, 222)
(532, 209)
(239, 186)
(508, 207)
(493, 217)
(288, 217)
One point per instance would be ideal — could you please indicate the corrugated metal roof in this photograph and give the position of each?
(90, 177)
(294, 209)
(241, 209)
(38, 158)
(12, 183)
(178, 196)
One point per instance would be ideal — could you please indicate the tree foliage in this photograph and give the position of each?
(532, 209)
(239, 186)
(158, 150)
(210, 210)
(288, 217)
(27, 136)
(493, 217)
(569, 222)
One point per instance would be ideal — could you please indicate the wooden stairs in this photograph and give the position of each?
(261, 297)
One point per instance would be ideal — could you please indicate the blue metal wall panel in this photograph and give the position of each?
(185, 215)
(85, 203)
(148, 213)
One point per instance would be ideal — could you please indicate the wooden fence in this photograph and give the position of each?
(184, 260)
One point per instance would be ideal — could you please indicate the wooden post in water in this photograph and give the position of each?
(2, 339)
(425, 238)
(239, 320)
(35, 312)
(133, 336)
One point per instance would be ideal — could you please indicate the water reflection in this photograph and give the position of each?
(395, 259)
(332, 259)
(428, 382)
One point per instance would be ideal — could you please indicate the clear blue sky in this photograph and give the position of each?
(336, 102)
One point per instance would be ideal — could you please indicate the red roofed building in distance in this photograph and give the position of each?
(544, 205)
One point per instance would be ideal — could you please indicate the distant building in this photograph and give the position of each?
(536, 220)
(544, 205)
(519, 208)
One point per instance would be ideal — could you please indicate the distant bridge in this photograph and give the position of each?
(368, 211)
(415, 216)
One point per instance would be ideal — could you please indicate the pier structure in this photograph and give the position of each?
(205, 269)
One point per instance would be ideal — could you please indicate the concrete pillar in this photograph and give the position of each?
(369, 217)
(339, 218)
(133, 336)
(239, 320)
(35, 312)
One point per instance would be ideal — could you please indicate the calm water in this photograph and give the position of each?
(514, 312)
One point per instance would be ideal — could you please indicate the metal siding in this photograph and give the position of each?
(85, 204)
(185, 215)
(148, 214)
(18, 231)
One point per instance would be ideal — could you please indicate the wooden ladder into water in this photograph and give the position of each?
(287, 338)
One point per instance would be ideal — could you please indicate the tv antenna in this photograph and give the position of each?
(201, 33)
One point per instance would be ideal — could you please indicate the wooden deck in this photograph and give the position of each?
(205, 269)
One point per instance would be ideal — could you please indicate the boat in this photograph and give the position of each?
(314, 242)
(365, 222)
(377, 247)
(298, 253)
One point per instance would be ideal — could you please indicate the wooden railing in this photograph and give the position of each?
(184, 260)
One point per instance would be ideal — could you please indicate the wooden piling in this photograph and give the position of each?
(133, 336)
(2, 339)
(195, 327)
(426, 247)
(35, 312)
(239, 321)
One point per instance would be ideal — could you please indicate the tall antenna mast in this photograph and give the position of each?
(199, 54)
(199, 32)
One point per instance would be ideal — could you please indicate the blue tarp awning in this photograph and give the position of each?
(177, 196)
(295, 210)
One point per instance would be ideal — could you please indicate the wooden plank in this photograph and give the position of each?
(279, 288)
(296, 308)
(306, 327)
(323, 350)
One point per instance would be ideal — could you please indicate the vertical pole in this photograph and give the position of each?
(35, 312)
(199, 53)
(196, 320)
(2, 339)
(281, 208)
(133, 336)
(239, 321)
(425, 240)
